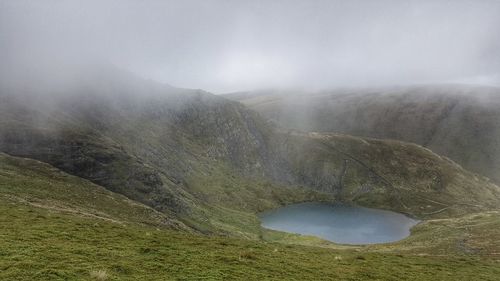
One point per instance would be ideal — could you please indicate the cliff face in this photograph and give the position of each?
(458, 121)
(213, 163)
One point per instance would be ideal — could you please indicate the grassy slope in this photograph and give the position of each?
(39, 242)
(229, 202)
(457, 121)
(389, 174)
(32, 183)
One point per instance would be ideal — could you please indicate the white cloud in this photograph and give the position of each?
(223, 45)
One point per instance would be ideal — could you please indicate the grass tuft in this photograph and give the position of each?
(100, 275)
(249, 255)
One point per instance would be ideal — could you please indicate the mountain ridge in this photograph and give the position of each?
(457, 121)
(214, 164)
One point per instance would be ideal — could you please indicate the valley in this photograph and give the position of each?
(48, 235)
(249, 140)
(186, 170)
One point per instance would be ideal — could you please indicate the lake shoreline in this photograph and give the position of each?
(340, 222)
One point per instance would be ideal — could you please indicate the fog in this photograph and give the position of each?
(224, 46)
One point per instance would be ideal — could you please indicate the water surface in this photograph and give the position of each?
(340, 223)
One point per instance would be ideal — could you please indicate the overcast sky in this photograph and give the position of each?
(232, 45)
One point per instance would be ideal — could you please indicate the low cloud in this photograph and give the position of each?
(224, 46)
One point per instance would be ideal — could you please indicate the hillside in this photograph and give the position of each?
(457, 121)
(60, 227)
(389, 174)
(27, 183)
(179, 151)
(213, 164)
(297, 140)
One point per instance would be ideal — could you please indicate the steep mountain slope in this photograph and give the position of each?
(458, 121)
(55, 226)
(213, 164)
(181, 151)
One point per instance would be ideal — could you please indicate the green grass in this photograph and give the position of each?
(34, 183)
(473, 234)
(228, 203)
(41, 244)
(54, 226)
(392, 175)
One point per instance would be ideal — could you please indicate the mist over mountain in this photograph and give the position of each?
(169, 142)
(122, 159)
(225, 46)
(455, 120)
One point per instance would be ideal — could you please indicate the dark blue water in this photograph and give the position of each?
(340, 223)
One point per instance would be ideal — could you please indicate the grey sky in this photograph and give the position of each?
(224, 46)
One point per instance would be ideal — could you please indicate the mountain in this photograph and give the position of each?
(457, 121)
(213, 163)
(176, 150)
(111, 175)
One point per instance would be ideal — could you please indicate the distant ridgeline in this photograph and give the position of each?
(461, 122)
